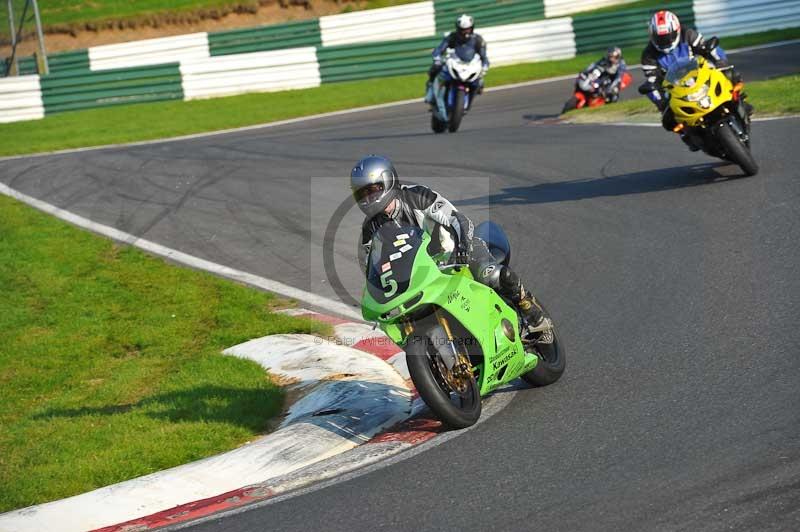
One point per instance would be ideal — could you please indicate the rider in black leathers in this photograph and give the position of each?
(379, 194)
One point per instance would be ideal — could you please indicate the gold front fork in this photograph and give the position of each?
(443, 322)
(464, 368)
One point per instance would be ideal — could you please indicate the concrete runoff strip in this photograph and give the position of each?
(402, 438)
(353, 341)
(351, 396)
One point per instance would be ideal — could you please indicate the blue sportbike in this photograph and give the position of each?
(455, 88)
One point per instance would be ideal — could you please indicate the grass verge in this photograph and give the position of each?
(131, 123)
(774, 97)
(110, 366)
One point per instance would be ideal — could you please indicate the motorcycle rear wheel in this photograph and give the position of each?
(456, 410)
(736, 151)
(552, 360)
(458, 112)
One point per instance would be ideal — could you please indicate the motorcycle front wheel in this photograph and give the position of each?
(571, 104)
(438, 126)
(457, 409)
(458, 111)
(735, 150)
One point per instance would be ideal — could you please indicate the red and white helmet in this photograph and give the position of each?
(665, 30)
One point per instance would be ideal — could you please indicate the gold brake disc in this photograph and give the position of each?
(459, 378)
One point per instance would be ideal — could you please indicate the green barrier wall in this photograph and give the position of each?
(83, 90)
(58, 62)
(624, 27)
(486, 12)
(362, 61)
(273, 37)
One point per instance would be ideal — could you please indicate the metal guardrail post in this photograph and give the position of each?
(43, 57)
(13, 68)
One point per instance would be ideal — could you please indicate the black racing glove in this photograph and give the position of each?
(705, 48)
(464, 247)
(463, 251)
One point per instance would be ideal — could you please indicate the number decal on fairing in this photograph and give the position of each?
(390, 285)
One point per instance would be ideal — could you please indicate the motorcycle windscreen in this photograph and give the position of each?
(391, 260)
(465, 52)
(680, 69)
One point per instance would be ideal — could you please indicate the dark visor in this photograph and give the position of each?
(369, 193)
(665, 41)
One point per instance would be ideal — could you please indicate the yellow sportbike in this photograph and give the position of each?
(710, 111)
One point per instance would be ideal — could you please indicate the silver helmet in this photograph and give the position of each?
(374, 183)
(465, 25)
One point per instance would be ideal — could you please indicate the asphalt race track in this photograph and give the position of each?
(673, 279)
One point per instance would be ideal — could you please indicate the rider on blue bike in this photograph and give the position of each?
(464, 35)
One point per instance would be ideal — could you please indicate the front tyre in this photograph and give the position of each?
(457, 409)
(438, 126)
(552, 359)
(571, 104)
(735, 149)
(458, 111)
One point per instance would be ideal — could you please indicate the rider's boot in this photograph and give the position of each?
(748, 108)
(736, 78)
(511, 287)
(429, 92)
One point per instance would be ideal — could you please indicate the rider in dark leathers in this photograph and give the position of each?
(464, 35)
(611, 67)
(379, 194)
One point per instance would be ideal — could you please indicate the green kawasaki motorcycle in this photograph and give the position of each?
(462, 339)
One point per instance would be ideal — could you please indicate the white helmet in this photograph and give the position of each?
(465, 24)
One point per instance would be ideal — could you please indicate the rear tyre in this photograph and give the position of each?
(552, 360)
(457, 113)
(571, 104)
(457, 411)
(438, 126)
(735, 150)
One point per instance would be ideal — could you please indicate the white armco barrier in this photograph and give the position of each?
(20, 99)
(295, 68)
(558, 8)
(530, 41)
(149, 52)
(388, 24)
(737, 17)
